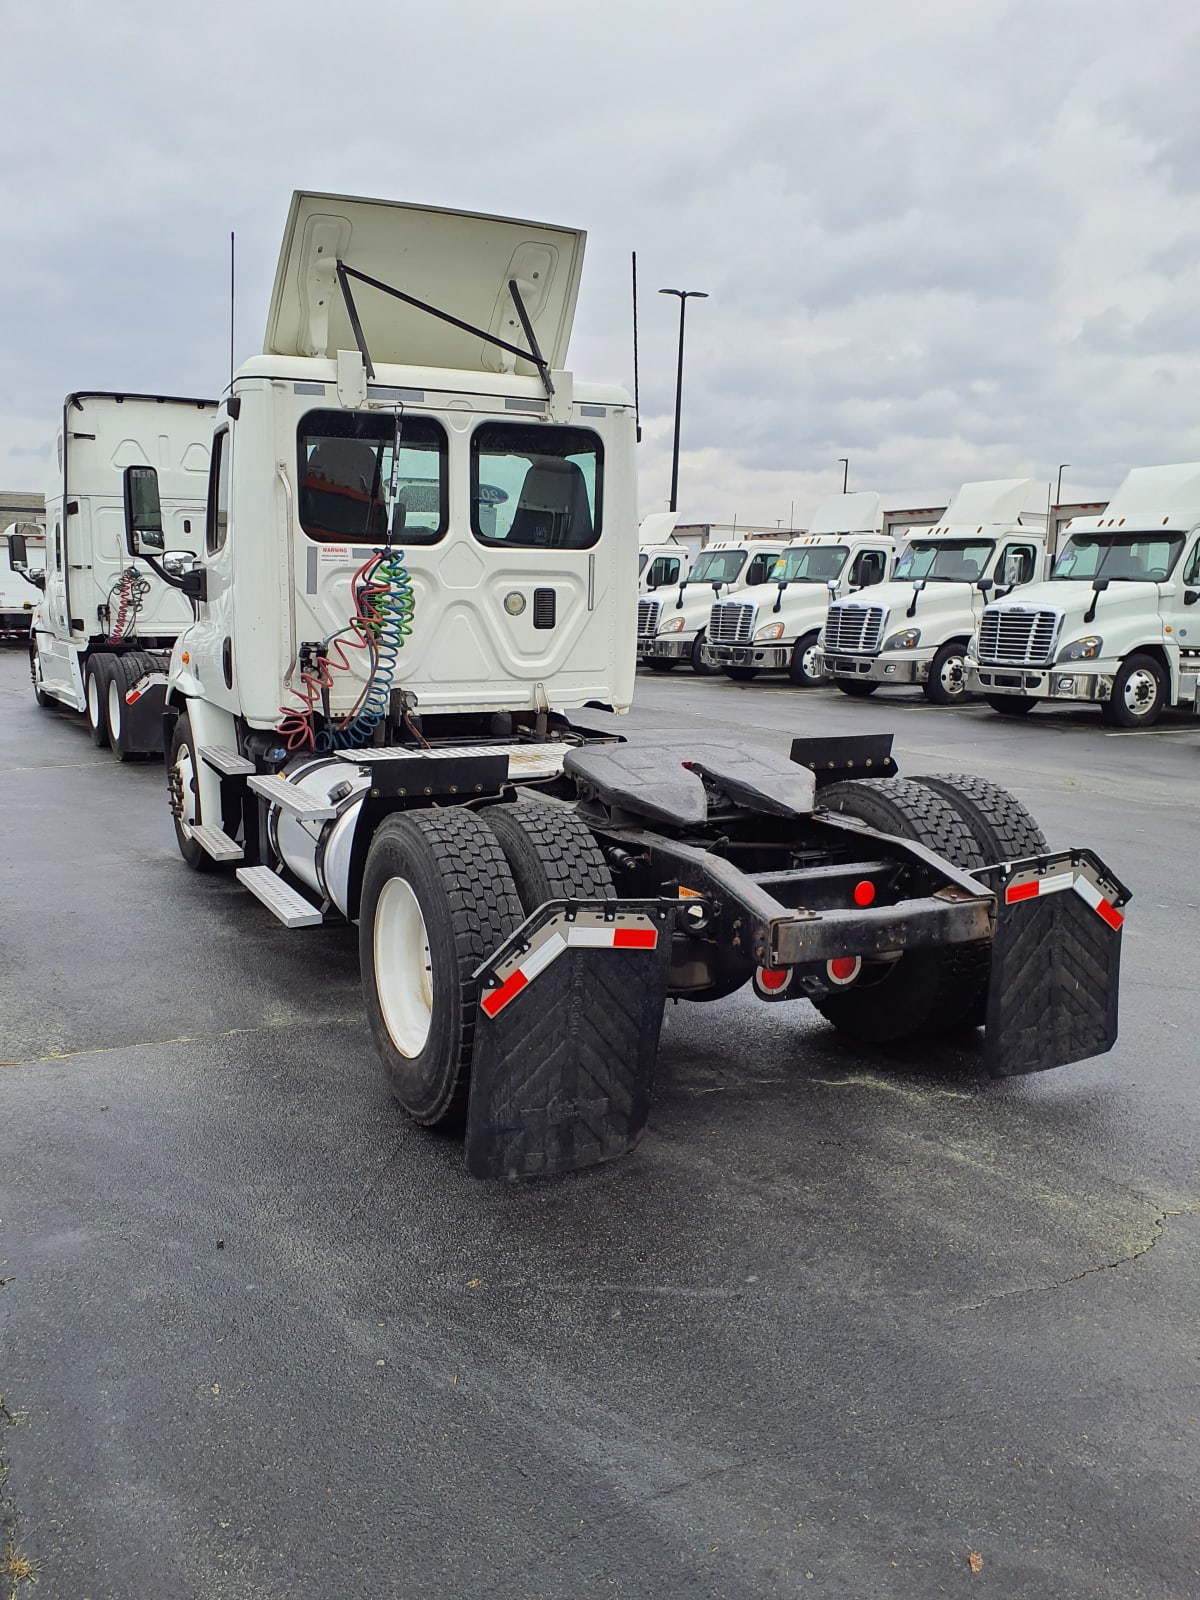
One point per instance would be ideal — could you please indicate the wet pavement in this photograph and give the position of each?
(840, 1324)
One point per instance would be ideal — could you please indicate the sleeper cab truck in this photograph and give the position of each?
(776, 627)
(672, 623)
(106, 621)
(22, 574)
(1118, 622)
(414, 589)
(915, 630)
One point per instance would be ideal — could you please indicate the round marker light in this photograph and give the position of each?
(773, 978)
(514, 602)
(864, 893)
(843, 969)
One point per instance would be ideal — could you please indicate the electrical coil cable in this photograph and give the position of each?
(131, 588)
(383, 611)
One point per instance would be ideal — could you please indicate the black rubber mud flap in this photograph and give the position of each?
(566, 1038)
(1056, 960)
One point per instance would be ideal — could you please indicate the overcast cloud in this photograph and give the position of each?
(947, 238)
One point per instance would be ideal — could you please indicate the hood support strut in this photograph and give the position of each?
(533, 354)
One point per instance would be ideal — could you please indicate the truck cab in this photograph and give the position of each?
(775, 626)
(103, 620)
(915, 630)
(1117, 624)
(675, 624)
(25, 544)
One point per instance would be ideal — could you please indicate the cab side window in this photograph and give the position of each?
(217, 525)
(756, 572)
(664, 570)
(1018, 564)
(869, 567)
(1191, 574)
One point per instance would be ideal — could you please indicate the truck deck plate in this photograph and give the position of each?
(215, 842)
(227, 762)
(280, 899)
(282, 793)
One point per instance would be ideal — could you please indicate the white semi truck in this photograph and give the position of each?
(661, 559)
(916, 629)
(380, 714)
(1118, 623)
(104, 621)
(19, 585)
(776, 627)
(671, 625)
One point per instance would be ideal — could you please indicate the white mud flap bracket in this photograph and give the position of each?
(566, 1037)
(1056, 962)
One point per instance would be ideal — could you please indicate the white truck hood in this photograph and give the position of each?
(1072, 599)
(458, 261)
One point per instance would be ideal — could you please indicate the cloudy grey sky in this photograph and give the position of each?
(948, 238)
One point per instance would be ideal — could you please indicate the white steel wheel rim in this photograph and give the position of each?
(952, 674)
(1140, 691)
(114, 709)
(187, 790)
(403, 968)
(808, 662)
(93, 700)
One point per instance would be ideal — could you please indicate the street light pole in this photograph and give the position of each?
(684, 296)
(844, 463)
(1058, 491)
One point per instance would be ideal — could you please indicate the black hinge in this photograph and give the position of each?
(544, 608)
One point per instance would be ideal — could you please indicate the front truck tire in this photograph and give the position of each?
(35, 672)
(699, 665)
(856, 688)
(800, 668)
(1139, 693)
(184, 793)
(437, 898)
(946, 684)
(95, 687)
(1012, 705)
(925, 992)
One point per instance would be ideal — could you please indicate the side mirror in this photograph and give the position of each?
(177, 562)
(1100, 584)
(18, 556)
(831, 585)
(782, 585)
(1191, 596)
(986, 585)
(143, 512)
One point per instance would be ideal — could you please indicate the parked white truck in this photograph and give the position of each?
(19, 585)
(661, 559)
(671, 625)
(1117, 623)
(104, 622)
(916, 629)
(776, 626)
(380, 713)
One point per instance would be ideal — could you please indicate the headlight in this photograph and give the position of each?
(906, 639)
(1083, 649)
(773, 630)
(973, 648)
(675, 625)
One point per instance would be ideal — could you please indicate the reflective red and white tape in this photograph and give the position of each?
(569, 936)
(1057, 883)
(143, 686)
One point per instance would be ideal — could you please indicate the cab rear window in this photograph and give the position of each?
(346, 477)
(536, 486)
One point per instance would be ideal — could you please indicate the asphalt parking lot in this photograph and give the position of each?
(840, 1324)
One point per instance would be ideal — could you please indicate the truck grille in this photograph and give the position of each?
(853, 629)
(1010, 636)
(731, 622)
(649, 612)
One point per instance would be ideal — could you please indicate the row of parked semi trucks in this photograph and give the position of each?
(367, 605)
(979, 603)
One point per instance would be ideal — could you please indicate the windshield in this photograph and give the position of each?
(945, 560)
(1128, 557)
(817, 564)
(718, 566)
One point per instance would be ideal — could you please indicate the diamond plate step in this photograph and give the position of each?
(215, 842)
(282, 901)
(227, 762)
(282, 793)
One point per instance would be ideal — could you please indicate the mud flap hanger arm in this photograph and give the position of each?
(533, 354)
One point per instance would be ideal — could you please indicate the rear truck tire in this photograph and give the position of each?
(95, 687)
(1004, 829)
(800, 667)
(35, 672)
(1139, 694)
(946, 684)
(126, 727)
(663, 663)
(184, 795)
(1012, 705)
(699, 665)
(437, 897)
(856, 688)
(550, 853)
(925, 992)
(742, 674)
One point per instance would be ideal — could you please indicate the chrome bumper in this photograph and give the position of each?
(770, 657)
(874, 669)
(1039, 683)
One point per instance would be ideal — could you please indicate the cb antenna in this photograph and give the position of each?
(637, 412)
(231, 304)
